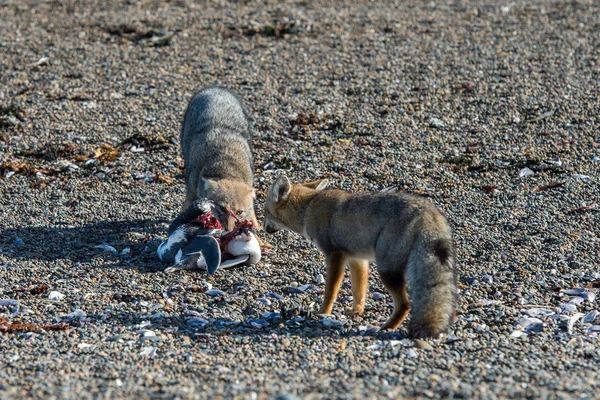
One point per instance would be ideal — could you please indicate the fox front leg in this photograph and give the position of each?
(335, 273)
(359, 275)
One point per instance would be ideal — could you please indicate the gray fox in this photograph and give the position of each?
(216, 144)
(406, 235)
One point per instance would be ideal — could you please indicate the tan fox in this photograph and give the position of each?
(215, 141)
(406, 235)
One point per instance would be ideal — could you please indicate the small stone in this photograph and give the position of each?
(471, 281)
(18, 242)
(423, 345)
(377, 296)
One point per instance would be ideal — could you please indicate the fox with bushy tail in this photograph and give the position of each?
(406, 235)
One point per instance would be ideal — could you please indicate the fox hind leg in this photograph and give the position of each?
(395, 283)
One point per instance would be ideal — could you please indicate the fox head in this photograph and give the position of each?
(232, 195)
(284, 200)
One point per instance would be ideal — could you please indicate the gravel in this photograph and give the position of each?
(488, 108)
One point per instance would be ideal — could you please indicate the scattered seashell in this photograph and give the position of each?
(436, 123)
(525, 172)
(531, 324)
(479, 327)
(574, 292)
(66, 166)
(196, 321)
(84, 345)
(146, 332)
(487, 279)
(518, 334)
(572, 321)
(590, 317)
(410, 353)
(320, 279)
(589, 296)
(271, 315)
(215, 292)
(581, 176)
(114, 338)
(275, 296)
(158, 315)
(149, 351)
(594, 328)
(576, 300)
(108, 249)
(125, 251)
(8, 302)
(143, 324)
(76, 314)
(192, 313)
(568, 308)
(56, 296)
(263, 300)
(535, 312)
(391, 343)
(258, 323)
(42, 61)
(329, 322)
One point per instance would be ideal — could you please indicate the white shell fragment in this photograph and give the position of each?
(56, 296)
(525, 172)
(149, 351)
(536, 312)
(518, 334)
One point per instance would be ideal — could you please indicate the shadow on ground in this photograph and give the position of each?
(79, 244)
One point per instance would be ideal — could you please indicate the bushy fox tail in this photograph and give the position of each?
(431, 275)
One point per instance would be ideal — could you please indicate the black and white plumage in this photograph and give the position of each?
(193, 245)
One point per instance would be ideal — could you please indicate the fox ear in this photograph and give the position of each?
(317, 185)
(281, 188)
(208, 184)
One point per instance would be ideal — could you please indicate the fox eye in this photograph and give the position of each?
(239, 213)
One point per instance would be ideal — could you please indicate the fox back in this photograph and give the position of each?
(216, 147)
(215, 137)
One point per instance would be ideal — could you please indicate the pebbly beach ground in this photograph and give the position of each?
(490, 109)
